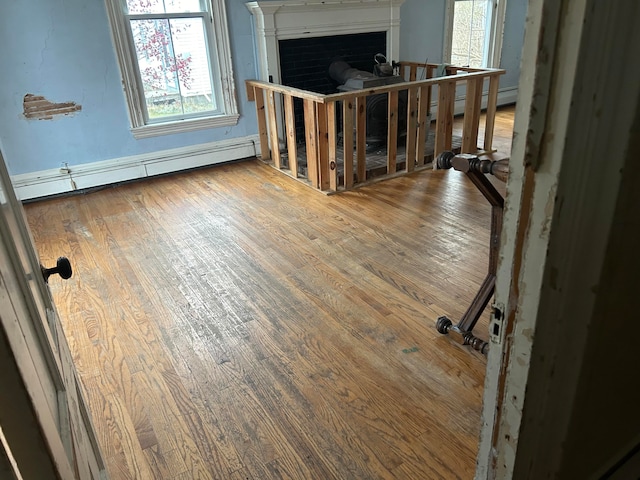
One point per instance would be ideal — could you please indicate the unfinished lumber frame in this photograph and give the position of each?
(333, 156)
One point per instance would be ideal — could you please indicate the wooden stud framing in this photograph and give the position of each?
(251, 94)
(444, 120)
(472, 115)
(333, 145)
(347, 142)
(323, 146)
(413, 71)
(310, 128)
(492, 104)
(412, 127)
(392, 132)
(404, 85)
(361, 137)
(258, 95)
(295, 92)
(430, 70)
(290, 122)
(273, 130)
(321, 130)
(424, 123)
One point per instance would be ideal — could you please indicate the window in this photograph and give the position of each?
(474, 32)
(176, 65)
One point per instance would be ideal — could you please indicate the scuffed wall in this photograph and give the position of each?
(38, 107)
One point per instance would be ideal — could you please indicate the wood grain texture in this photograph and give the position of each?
(332, 140)
(289, 120)
(490, 117)
(473, 103)
(322, 137)
(311, 136)
(424, 123)
(347, 142)
(412, 129)
(361, 138)
(444, 117)
(392, 131)
(231, 323)
(258, 96)
(273, 128)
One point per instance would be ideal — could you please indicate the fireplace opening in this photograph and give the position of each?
(305, 63)
(377, 111)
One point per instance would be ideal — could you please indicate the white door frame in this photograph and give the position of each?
(573, 137)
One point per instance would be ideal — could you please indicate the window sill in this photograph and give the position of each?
(181, 126)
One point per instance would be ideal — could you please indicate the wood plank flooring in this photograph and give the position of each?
(232, 323)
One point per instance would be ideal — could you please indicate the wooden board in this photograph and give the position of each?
(376, 158)
(322, 136)
(265, 154)
(347, 139)
(361, 137)
(492, 102)
(289, 120)
(392, 132)
(444, 118)
(412, 129)
(273, 128)
(471, 123)
(311, 150)
(332, 133)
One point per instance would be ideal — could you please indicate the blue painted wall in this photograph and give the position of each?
(62, 49)
(422, 35)
(512, 40)
(422, 30)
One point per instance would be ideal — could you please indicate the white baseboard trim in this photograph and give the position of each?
(53, 181)
(45, 183)
(506, 96)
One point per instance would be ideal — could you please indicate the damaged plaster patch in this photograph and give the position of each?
(39, 108)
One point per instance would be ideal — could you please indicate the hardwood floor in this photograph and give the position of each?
(232, 323)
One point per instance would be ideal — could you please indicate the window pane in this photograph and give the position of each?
(181, 6)
(174, 67)
(470, 28)
(145, 6)
(165, 6)
(189, 43)
(158, 67)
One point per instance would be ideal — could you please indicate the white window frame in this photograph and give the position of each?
(496, 32)
(133, 91)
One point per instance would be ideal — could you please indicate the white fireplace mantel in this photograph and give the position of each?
(288, 19)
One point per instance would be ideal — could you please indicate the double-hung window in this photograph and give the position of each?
(176, 65)
(474, 32)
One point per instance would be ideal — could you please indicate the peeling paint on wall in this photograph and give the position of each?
(39, 108)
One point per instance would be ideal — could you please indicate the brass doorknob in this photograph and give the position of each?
(62, 268)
